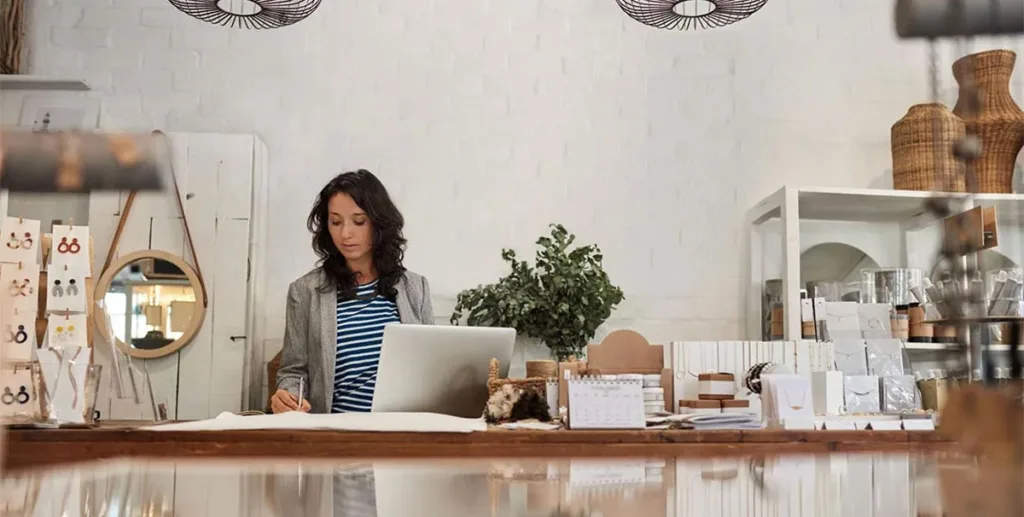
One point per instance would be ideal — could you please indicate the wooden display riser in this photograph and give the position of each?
(30, 448)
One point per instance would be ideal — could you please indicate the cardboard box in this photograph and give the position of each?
(973, 230)
(624, 352)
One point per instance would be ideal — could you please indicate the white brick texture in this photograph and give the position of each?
(489, 120)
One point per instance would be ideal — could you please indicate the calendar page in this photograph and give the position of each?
(606, 404)
(552, 398)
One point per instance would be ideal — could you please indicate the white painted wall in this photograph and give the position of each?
(70, 208)
(489, 120)
(215, 175)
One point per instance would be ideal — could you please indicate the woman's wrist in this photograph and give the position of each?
(290, 383)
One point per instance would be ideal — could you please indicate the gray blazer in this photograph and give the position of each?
(311, 333)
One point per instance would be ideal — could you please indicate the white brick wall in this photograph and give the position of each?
(489, 120)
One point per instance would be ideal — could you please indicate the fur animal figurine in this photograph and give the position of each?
(513, 404)
(499, 405)
(531, 405)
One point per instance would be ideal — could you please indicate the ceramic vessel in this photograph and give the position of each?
(999, 122)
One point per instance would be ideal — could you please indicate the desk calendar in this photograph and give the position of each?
(606, 404)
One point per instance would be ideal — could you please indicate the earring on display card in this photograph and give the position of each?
(74, 247)
(13, 243)
(21, 336)
(57, 290)
(26, 288)
(14, 289)
(62, 247)
(27, 242)
(66, 334)
(23, 396)
(72, 289)
(7, 398)
(71, 375)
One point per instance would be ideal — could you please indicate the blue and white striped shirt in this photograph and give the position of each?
(361, 322)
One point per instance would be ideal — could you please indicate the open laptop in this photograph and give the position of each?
(439, 369)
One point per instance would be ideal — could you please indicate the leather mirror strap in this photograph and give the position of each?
(184, 221)
(117, 233)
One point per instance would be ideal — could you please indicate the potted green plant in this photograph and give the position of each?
(561, 299)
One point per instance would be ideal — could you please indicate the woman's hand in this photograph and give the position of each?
(283, 402)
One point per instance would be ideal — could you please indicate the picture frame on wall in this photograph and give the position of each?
(45, 113)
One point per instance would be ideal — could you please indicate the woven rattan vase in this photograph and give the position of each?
(12, 35)
(1000, 122)
(925, 129)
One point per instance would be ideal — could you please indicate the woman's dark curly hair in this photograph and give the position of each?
(387, 222)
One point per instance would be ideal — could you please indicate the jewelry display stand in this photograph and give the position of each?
(21, 374)
(53, 411)
(42, 319)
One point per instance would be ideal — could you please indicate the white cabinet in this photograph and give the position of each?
(890, 226)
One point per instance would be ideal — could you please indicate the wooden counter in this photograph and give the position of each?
(26, 448)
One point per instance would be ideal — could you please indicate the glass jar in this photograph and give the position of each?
(889, 285)
(1004, 291)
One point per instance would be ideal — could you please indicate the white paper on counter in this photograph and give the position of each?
(531, 426)
(372, 422)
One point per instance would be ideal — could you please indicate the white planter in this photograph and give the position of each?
(526, 349)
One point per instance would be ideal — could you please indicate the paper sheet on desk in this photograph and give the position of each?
(373, 422)
(712, 421)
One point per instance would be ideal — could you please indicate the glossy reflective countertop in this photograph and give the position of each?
(861, 485)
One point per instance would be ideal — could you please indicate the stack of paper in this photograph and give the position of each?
(708, 421)
(371, 422)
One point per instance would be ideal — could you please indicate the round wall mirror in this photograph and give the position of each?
(154, 301)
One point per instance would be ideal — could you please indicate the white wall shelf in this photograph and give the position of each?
(873, 205)
(938, 347)
(895, 223)
(35, 82)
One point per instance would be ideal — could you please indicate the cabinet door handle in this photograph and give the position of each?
(236, 338)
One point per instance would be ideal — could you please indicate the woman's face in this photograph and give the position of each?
(350, 227)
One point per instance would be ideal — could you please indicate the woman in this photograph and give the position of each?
(337, 312)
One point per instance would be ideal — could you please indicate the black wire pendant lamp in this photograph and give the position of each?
(689, 14)
(248, 14)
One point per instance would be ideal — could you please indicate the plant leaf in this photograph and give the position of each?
(561, 299)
